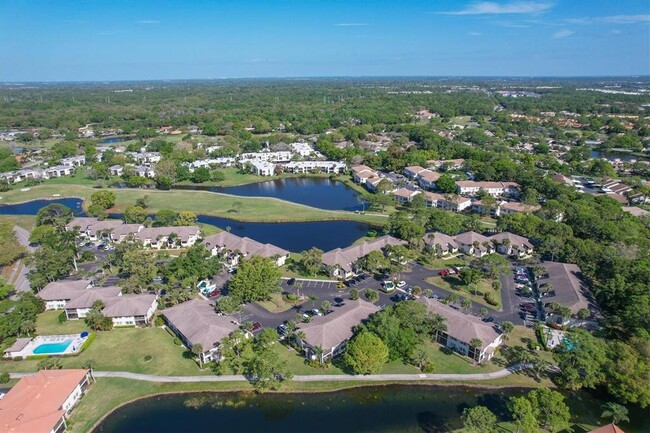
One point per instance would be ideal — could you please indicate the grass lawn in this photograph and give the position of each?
(200, 202)
(47, 323)
(453, 284)
(122, 349)
(277, 304)
(28, 222)
(446, 262)
(521, 336)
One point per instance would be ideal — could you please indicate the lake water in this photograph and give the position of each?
(613, 155)
(109, 140)
(322, 193)
(292, 236)
(377, 409)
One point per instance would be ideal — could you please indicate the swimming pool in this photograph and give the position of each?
(49, 348)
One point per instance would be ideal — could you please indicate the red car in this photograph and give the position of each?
(256, 327)
(444, 272)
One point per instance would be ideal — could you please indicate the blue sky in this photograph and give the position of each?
(140, 39)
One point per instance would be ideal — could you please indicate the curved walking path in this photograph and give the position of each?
(308, 378)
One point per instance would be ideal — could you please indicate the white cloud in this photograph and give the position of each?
(612, 19)
(615, 32)
(562, 33)
(350, 24)
(492, 8)
(475, 33)
(147, 22)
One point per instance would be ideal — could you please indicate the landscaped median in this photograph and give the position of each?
(454, 285)
(259, 209)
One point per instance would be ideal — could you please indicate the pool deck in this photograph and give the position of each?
(76, 342)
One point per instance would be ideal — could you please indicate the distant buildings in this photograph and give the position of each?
(232, 248)
(342, 262)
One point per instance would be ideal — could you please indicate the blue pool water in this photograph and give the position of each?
(48, 348)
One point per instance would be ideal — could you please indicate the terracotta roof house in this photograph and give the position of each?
(341, 262)
(609, 428)
(232, 247)
(332, 331)
(361, 173)
(474, 244)
(57, 294)
(160, 237)
(40, 403)
(196, 322)
(462, 329)
(445, 243)
(565, 285)
(512, 245)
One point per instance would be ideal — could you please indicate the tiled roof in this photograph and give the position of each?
(199, 323)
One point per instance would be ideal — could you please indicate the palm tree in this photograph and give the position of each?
(507, 327)
(197, 349)
(483, 312)
(465, 304)
(325, 306)
(437, 323)
(313, 300)
(319, 352)
(475, 344)
(615, 411)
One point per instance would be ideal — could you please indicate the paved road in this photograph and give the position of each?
(20, 281)
(309, 378)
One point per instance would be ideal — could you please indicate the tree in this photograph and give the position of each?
(507, 327)
(197, 349)
(475, 344)
(54, 214)
(479, 419)
(446, 184)
(49, 265)
(326, 306)
(237, 205)
(134, 215)
(483, 312)
(236, 350)
(267, 371)
(470, 276)
(228, 304)
(372, 295)
(201, 174)
(4, 377)
(139, 268)
(365, 354)
(97, 321)
(10, 249)
(523, 415)
(373, 262)
(465, 304)
(186, 218)
(615, 412)
(354, 294)
(166, 218)
(582, 362)
(255, 280)
(311, 261)
(104, 199)
(550, 410)
(266, 338)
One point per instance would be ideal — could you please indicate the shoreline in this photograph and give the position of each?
(342, 387)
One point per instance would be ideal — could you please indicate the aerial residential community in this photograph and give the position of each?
(392, 244)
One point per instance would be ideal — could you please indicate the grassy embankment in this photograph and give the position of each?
(199, 202)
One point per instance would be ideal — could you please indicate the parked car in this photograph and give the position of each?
(291, 281)
(444, 272)
(282, 329)
(316, 312)
(409, 290)
(436, 297)
(488, 319)
(214, 294)
(256, 326)
(401, 284)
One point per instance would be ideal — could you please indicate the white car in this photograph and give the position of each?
(401, 284)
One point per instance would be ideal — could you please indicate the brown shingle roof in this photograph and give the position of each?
(346, 256)
(461, 326)
(199, 323)
(515, 240)
(569, 287)
(86, 298)
(334, 328)
(246, 246)
(437, 238)
(64, 289)
(128, 305)
(468, 238)
(33, 405)
(183, 232)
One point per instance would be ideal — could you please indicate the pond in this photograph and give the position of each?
(612, 155)
(317, 192)
(395, 408)
(292, 236)
(109, 140)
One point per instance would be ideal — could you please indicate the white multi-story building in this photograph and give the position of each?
(277, 157)
(314, 166)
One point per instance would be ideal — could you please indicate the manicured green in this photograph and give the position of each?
(453, 284)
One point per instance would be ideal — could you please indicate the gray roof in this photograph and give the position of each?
(183, 232)
(199, 323)
(334, 328)
(87, 298)
(64, 289)
(246, 246)
(344, 258)
(437, 238)
(18, 345)
(515, 240)
(461, 326)
(569, 286)
(468, 238)
(128, 305)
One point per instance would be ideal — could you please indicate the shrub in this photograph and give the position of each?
(88, 341)
(148, 358)
(291, 297)
(177, 341)
(429, 368)
(4, 377)
(159, 321)
(491, 298)
(62, 317)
